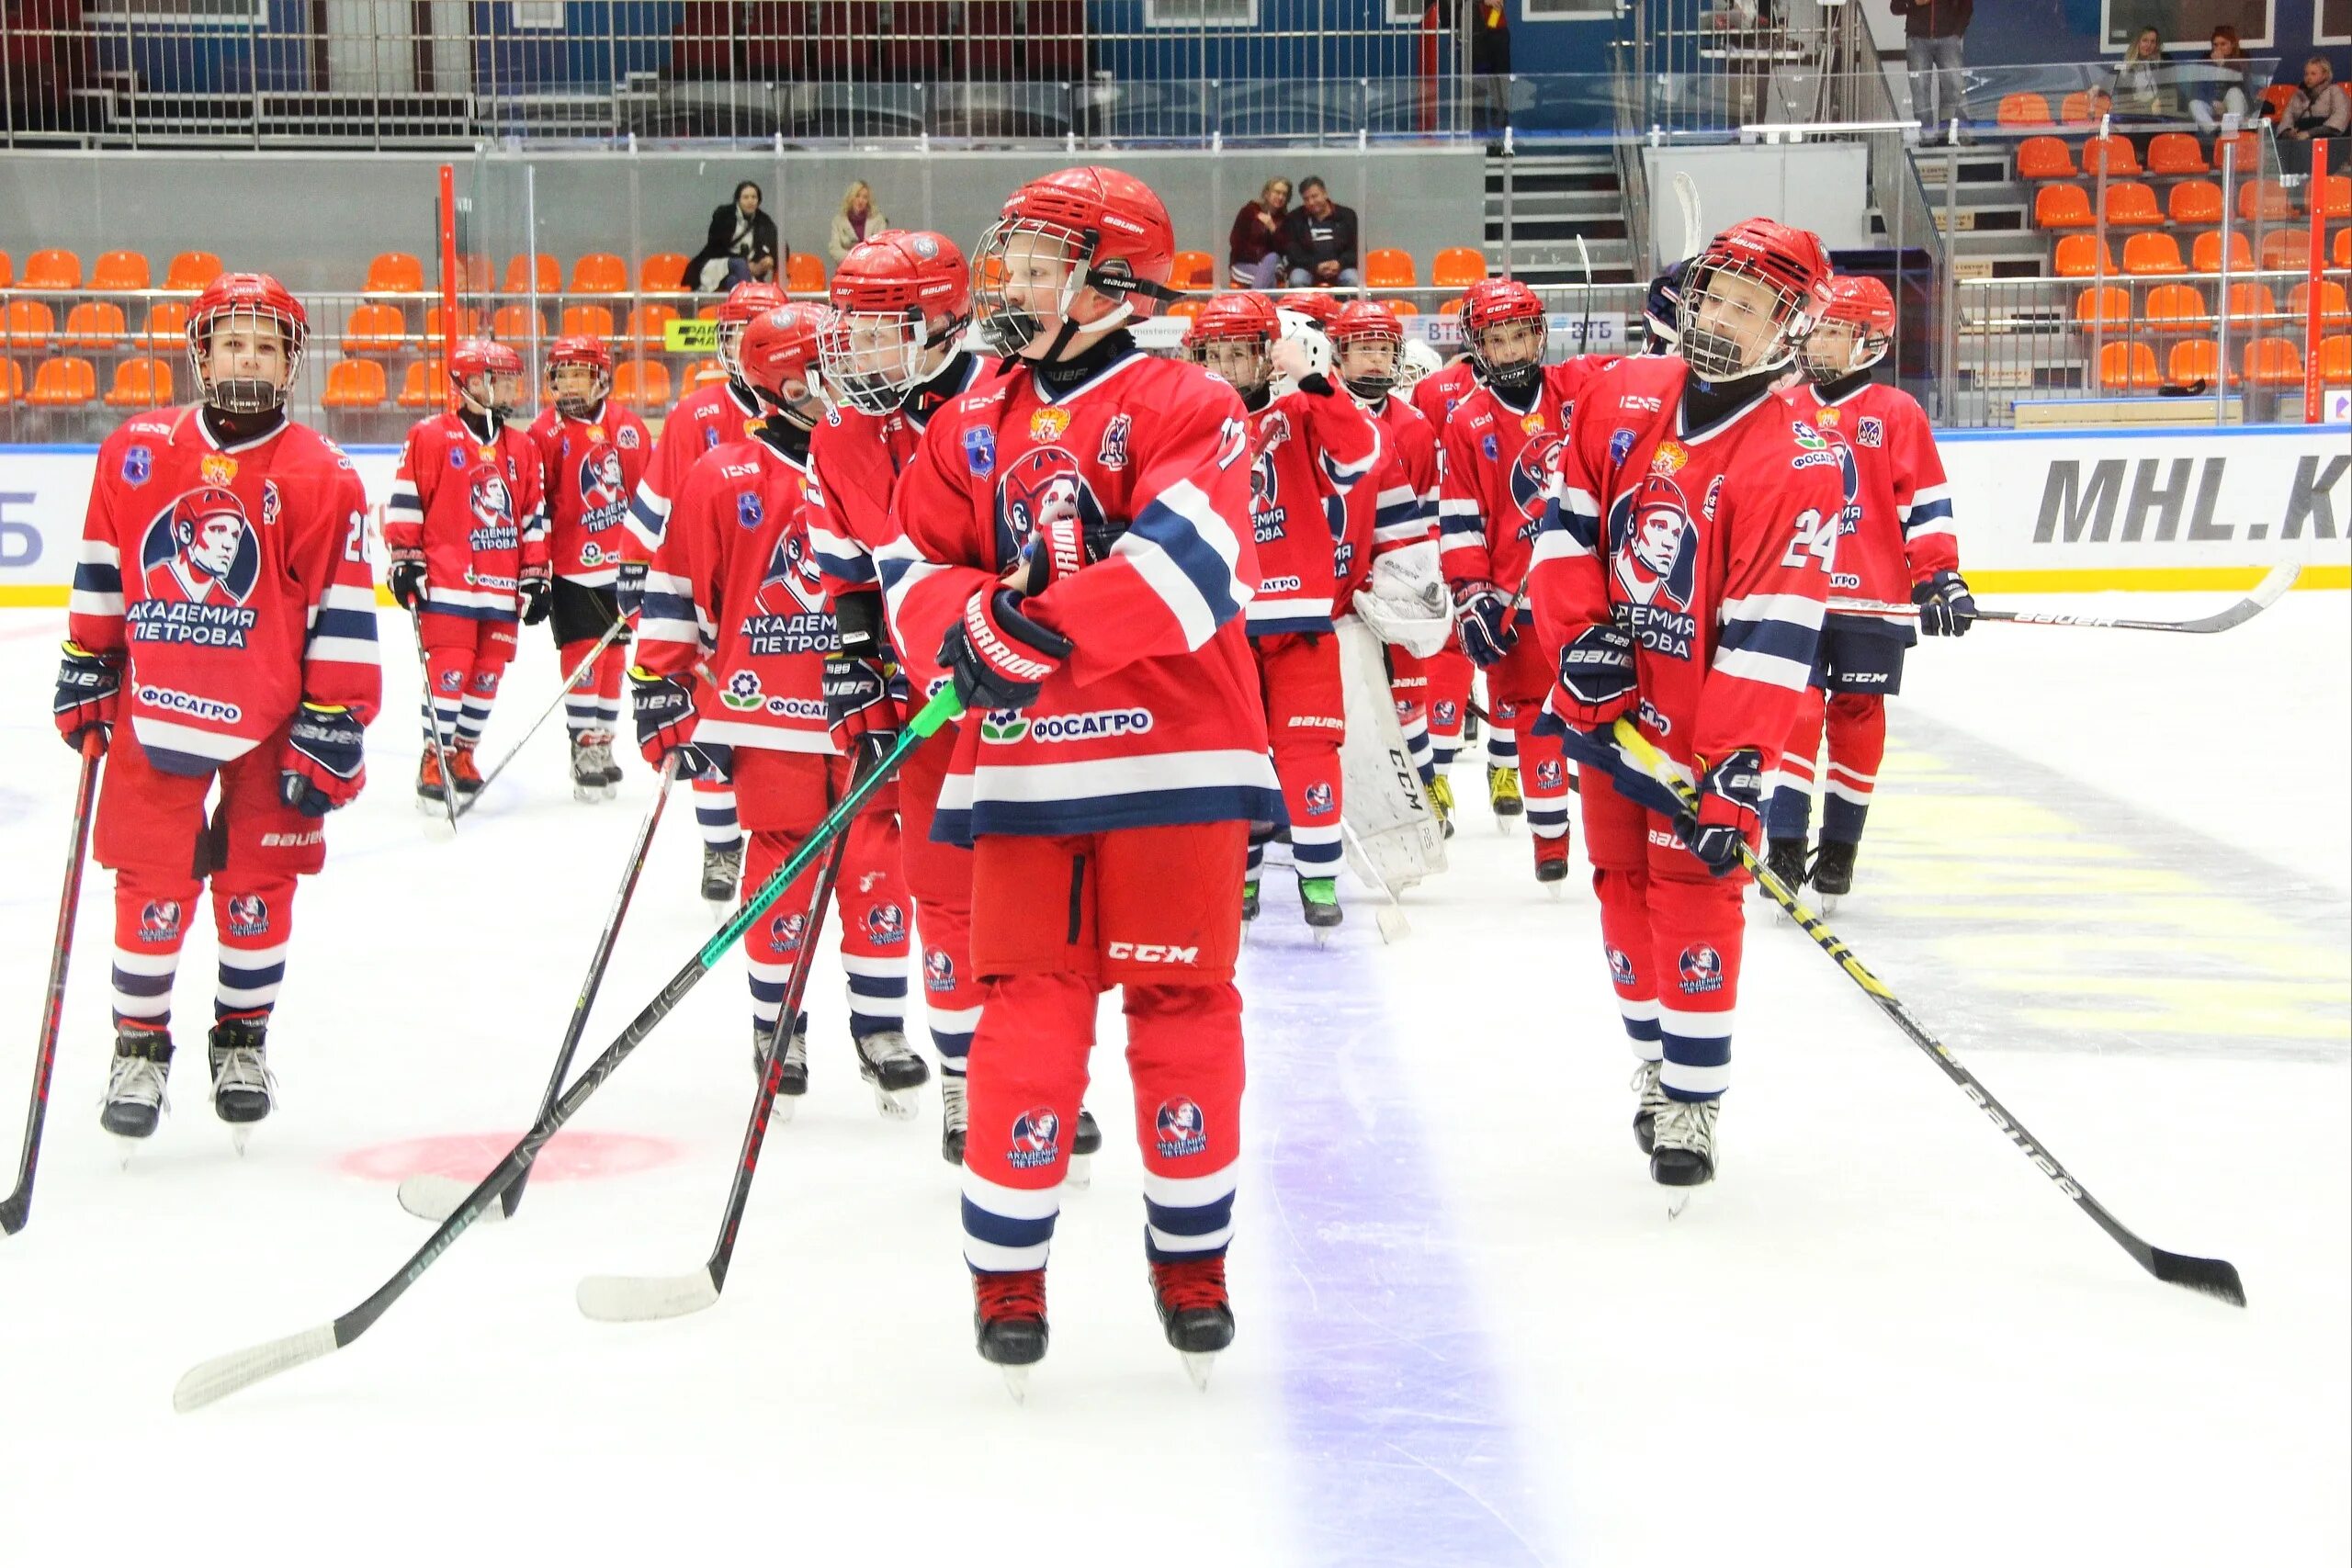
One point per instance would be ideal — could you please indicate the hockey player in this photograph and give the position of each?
(467, 537)
(745, 700)
(704, 418)
(224, 607)
(1895, 548)
(1436, 393)
(1077, 553)
(1312, 451)
(1502, 447)
(591, 453)
(1679, 579)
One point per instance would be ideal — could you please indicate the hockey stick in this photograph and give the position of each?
(1584, 332)
(570, 683)
(224, 1375)
(433, 1197)
(17, 1207)
(2266, 592)
(1686, 195)
(433, 721)
(2210, 1275)
(628, 1298)
(1391, 920)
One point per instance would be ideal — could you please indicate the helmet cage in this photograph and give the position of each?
(1734, 338)
(245, 394)
(872, 359)
(1359, 326)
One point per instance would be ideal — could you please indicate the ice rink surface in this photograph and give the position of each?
(2109, 869)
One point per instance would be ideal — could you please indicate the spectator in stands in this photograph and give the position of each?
(1319, 240)
(1253, 251)
(740, 248)
(2141, 85)
(2320, 106)
(45, 58)
(858, 220)
(1931, 34)
(2217, 85)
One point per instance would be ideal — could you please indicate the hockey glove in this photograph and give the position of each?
(1483, 610)
(322, 768)
(1596, 686)
(665, 723)
(89, 690)
(406, 578)
(865, 707)
(628, 587)
(998, 656)
(1405, 602)
(533, 593)
(1731, 795)
(1946, 606)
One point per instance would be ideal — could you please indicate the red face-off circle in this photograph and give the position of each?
(469, 1157)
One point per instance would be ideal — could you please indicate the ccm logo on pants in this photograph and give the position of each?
(1152, 953)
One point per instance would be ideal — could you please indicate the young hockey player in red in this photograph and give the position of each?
(1077, 553)
(592, 452)
(901, 303)
(732, 645)
(1895, 550)
(1502, 447)
(1314, 453)
(467, 537)
(1680, 580)
(223, 607)
(1436, 392)
(706, 417)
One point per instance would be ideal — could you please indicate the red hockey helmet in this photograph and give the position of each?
(1232, 338)
(895, 297)
(1853, 331)
(1089, 227)
(1751, 295)
(779, 348)
(743, 301)
(495, 365)
(1510, 360)
(579, 351)
(246, 300)
(1362, 325)
(1317, 304)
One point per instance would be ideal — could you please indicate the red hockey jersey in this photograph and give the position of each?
(1311, 506)
(233, 581)
(1407, 500)
(734, 585)
(1499, 464)
(706, 417)
(1156, 717)
(591, 468)
(855, 458)
(1898, 531)
(1713, 547)
(474, 508)
(1436, 395)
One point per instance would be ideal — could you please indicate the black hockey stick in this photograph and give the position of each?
(570, 683)
(2210, 1275)
(17, 1207)
(629, 1298)
(2266, 592)
(433, 719)
(224, 1375)
(434, 1196)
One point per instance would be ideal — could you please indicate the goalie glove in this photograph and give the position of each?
(1405, 602)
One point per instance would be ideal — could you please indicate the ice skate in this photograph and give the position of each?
(462, 770)
(1552, 863)
(1650, 1101)
(432, 793)
(953, 1119)
(721, 870)
(1785, 858)
(891, 1067)
(1441, 793)
(1193, 1312)
(1009, 1324)
(137, 1087)
(1833, 871)
(1319, 898)
(1682, 1153)
(592, 766)
(792, 1079)
(1502, 794)
(244, 1088)
(1082, 1149)
(1250, 900)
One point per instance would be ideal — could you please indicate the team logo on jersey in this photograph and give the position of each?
(1036, 1139)
(457, 457)
(1656, 556)
(1621, 968)
(792, 585)
(1869, 431)
(886, 925)
(1530, 476)
(1182, 1128)
(1319, 799)
(1809, 438)
(1532, 423)
(159, 920)
(1045, 489)
(603, 489)
(1490, 448)
(248, 915)
(199, 551)
(786, 931)
(741, 692)
(1702, 968)
(1551, 773)
(1445, 713)
(751, 511)
(1714, 494)
(938, 970)
(1669, 457)
(1047, 424)
(453, 681)
(493, 504)
(1404, 708)
(709, 436)
(627, 440)
(980, 451)
(1620, 446)
(1114, 451)
(218, 469)
(1266, 513)
(1829, 418)
(138, 466)
(269, 504)
(1003, 725)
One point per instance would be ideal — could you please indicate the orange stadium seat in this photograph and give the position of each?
(2205, 254)
(2128, 367)
(2335, 314)
(30, 323)
(2335, 361)
(52, 270)
(141, 383)
(2249, 144)
(645, 324)
(468, 322)
(166, 326)
(1193, 269)
(2265, 201)
(2152, 255)
(664, 272)
(2176, 152)
(2113, 153)
(1389, 268)
(1184, 310)
(191, 270)
(64, 383)
(804, 272)
(2277, 96)
(2285, 250)
(394, 272)
(122, 270)
(2132, 205)
(519, 272)
(2023, 109)
(1458, 266)
(587, 321)
(2196, 359)
(2063, 206)
(2044, 158)
(422, 385)
(354, 385)
(2342, 254)
(2252, 302)
(1451, 307)
(94, 324)
(2177, 308)
(2079, 256)
(600, 272)
(2110, 308)
(641, 383)
(1400, 309)
(2331, 194)
(7, 270)
(517, 323)
(702, 372)
(2074, 109)
(2194, 204)
(375, 329)
(2273, 361)
(12, 383)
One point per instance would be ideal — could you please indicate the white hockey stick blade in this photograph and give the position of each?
(435, 1198)
(2271, 589)
(1393, 924)
(224, 1375)
(626, 1298)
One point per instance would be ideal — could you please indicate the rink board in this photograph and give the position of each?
(2038, 510)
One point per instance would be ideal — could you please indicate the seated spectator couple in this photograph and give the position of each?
(1312, 245)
